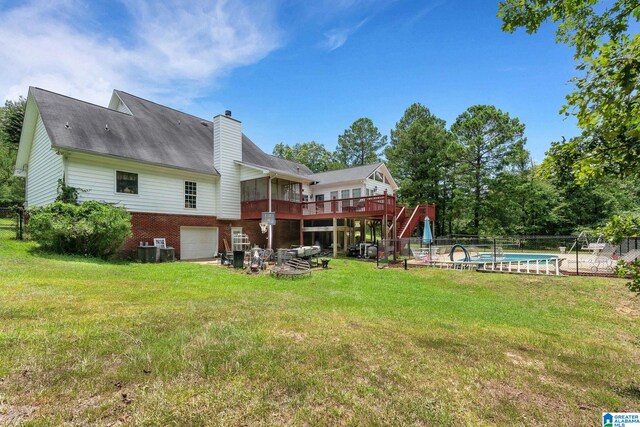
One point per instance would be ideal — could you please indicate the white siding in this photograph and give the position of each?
(247, 173)
(371, 184)
(227, 149)
(327, 190)
(123, 108)
(160, 189)
(44, 169)
(116, 104)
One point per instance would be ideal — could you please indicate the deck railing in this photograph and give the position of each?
(284, 209)
(351, 207)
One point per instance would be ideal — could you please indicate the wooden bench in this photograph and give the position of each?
(293, 268)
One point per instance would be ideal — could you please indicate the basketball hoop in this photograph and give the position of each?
(264, 227)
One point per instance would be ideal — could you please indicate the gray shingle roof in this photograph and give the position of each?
(155, 134)
(349, 174)
(252, 154)
(158, 135)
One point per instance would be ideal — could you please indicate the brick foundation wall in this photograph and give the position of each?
(147, 226)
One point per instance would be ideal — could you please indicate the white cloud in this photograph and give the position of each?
(425, 11)
(336, 37)
(173, 49)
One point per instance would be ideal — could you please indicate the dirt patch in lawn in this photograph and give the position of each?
(628, 308)
(524, 361)
(521, 397)
(15, 414)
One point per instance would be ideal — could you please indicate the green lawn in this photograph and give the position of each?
(89, 342)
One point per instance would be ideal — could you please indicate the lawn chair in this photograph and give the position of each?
(630, 256)
(421, 255)
(604, 256)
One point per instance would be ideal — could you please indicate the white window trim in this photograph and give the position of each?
(115, 183)
(184, 195)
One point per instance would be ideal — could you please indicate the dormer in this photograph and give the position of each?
(116, 103)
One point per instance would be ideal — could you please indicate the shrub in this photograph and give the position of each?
(615, 231)
(90, 228)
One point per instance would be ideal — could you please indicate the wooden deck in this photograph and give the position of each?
(371, 206)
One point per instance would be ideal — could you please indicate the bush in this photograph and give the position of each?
(615, 231)
(90, 229)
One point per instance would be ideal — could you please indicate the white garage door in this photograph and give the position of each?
(198, 242)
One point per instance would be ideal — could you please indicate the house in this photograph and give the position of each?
(196, 182)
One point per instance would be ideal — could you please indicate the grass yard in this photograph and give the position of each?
(89, 342)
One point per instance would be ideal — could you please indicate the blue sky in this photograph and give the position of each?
(292, 71)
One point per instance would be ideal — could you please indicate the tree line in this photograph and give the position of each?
(478, 172)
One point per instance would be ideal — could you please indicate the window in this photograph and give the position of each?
(333, 195)
(356, 192)
(377, 176)
(190, 190)
(126, 182)
(288, 191)
(255, 189)
(344, 194)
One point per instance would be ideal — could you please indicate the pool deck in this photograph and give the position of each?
(584, 264)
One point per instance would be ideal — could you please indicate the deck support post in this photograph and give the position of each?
(345, 236)
(270, 231)
(397, 246)
(335, 237)
(302, 234)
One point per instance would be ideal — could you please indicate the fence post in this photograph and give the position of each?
(577, 258)
(494, 249)
(20, 223)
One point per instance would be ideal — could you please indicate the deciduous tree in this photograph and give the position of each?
(313, 155)
(606, 99)
(11, 118)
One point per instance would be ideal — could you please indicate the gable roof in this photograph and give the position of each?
(253, 155)
(155, 134)
(350, 174)
(158, 135)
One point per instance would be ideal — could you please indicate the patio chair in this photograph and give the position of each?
(594, 247)
(630, 256)
(604, 256)
(421, 255)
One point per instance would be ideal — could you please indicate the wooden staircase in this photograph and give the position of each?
(407, 220)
